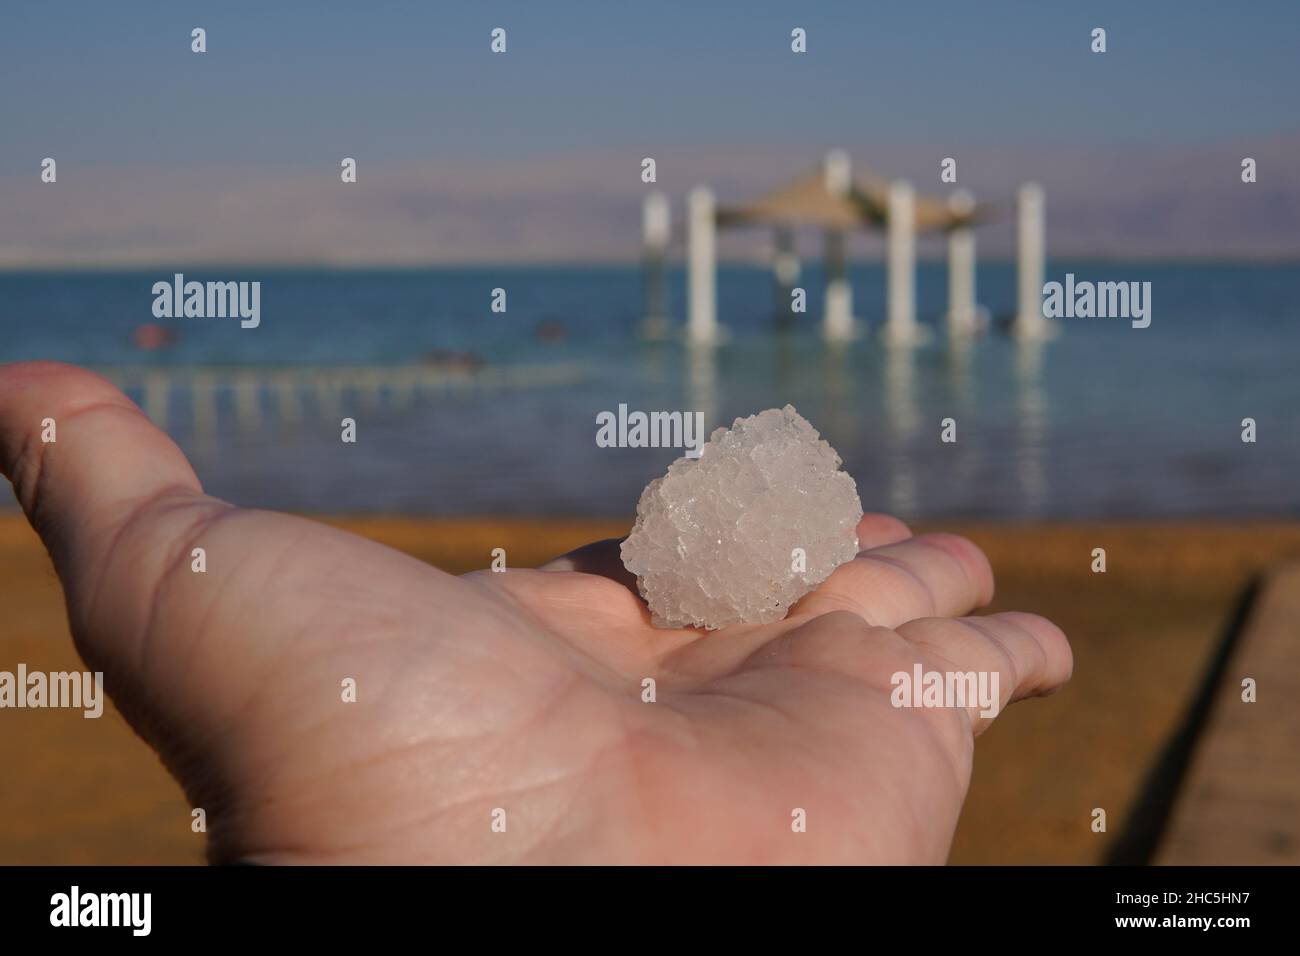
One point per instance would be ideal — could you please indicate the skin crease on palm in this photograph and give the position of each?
(518, 690)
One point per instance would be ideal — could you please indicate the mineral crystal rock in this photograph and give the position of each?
(762, 517)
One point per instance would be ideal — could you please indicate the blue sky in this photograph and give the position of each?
(115, 84)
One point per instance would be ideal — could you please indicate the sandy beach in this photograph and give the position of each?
(79, 791)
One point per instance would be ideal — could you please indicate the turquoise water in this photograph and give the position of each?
(1105, 421)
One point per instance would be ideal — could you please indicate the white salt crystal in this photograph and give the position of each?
(715, 539)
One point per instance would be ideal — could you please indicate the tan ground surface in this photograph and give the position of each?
(87, 791)
(1239, 800)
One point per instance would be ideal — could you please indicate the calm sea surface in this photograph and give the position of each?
(1105, 421)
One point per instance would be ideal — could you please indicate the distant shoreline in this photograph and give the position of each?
(313, 266)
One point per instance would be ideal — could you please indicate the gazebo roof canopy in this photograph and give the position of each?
(804, 202)
(807, 201)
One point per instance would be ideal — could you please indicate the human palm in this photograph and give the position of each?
(498, 717)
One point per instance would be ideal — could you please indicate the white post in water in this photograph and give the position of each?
(701, 263)
(837, 322)
(655, 233)
(1029, 322)
(901, 320)
(962, 308)
(156, 393)
(785, 273)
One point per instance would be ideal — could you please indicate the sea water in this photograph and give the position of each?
(1105, 421)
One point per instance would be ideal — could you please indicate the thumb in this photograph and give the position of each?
(115, 503)
(87, 466)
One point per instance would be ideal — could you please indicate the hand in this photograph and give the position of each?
(519, 690)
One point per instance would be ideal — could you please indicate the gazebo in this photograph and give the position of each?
(833, 200)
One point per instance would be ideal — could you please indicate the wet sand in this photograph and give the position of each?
(78, 791)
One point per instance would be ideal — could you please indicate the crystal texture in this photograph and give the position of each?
(715, 538)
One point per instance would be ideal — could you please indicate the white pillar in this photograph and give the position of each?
(655, 221)
(901, 282)
(785, 273)
(962, 308)
(1030, 265)
(701, 265)
(655, 234)
(837, 171)
(837, 321)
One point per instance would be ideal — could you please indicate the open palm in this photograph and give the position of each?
(498, 717)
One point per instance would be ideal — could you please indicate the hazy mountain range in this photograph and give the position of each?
(1140, 202)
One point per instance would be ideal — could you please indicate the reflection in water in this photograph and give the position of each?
(248, 410)
(653, 361)
(838, 414)
(402, 394)
(702, 383)
(288, 408)
(961, 393)
(203, 396)
(960, 353)
(156, 393)
(1031, 425)
(787, 368)
(903, 419)
(369, 389)
(329, 399)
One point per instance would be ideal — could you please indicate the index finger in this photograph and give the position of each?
(933, 575)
